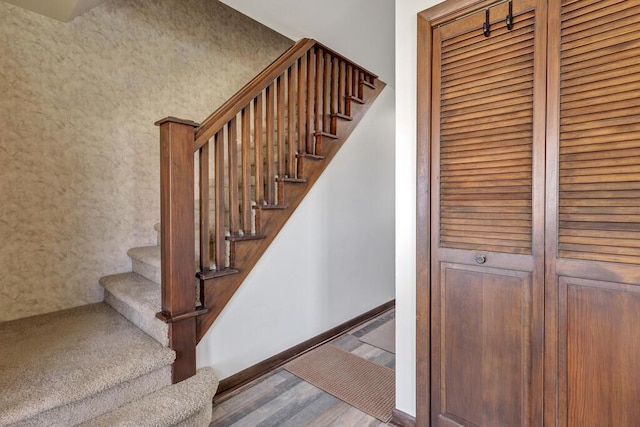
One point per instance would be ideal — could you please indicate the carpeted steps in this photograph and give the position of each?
(67, 367)
(146, 262)
(137, 294)
(184, 404)
(102, 364)
(138, 299)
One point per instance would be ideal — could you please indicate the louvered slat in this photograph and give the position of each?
(573, 8)
(578, 19)
(599, 203)
(607, 27)
(486, 130)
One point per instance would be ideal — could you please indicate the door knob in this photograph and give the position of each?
(481, 259)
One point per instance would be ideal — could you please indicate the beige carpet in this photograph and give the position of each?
(383, 337)
(187, 403)
(59, 360)
(352, 379)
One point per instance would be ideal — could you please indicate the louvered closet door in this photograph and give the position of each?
(488, 127)
(593, 239)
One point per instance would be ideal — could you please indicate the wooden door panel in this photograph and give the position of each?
(484, 346)
(593, 205)
(487, 139)
(488, 218)
(600, 348)
(601, 227)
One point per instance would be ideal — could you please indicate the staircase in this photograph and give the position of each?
(263, 150)
(131, 359)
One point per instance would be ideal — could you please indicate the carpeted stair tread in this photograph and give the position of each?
(138, 299)
(174, 405)
(60, 358)
(147, 254)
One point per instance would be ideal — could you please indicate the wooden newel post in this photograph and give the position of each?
(178, 241)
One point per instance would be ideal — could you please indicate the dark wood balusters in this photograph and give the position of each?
(261, 137)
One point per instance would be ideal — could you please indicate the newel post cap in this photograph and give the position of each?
(172, 119)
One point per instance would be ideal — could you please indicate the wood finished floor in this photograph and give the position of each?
(282, 399)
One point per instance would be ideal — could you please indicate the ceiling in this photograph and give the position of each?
(62, 10)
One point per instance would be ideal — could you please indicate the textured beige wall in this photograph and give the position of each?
(79, 158)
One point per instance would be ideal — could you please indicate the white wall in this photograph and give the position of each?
(406, 53)
(332, 261)
(362, 30)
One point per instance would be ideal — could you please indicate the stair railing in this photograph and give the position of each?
(259, 139)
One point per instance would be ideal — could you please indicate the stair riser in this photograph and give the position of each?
(101, 403)
(145, 270)
(154, 274)
(152, 326)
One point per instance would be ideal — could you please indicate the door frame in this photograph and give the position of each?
(426, 21)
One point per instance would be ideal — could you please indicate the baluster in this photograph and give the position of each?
(291, 130)
(280, 127)
(234, 208)
(311, 77)
(354, 82)
(319, 94)
(246, 170)
(341, 86)
(347, 104)
(257, 117)
(334, 88)
(357, 87)
(302, 103)
(338, 90)
(269, 155)
(218, 196)
(203, 187)
(326, 102)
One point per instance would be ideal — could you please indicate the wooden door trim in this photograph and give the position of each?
(423, 226)
(551, 220)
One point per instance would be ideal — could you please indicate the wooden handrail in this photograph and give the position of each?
(237, 102)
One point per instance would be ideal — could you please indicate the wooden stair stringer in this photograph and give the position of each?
(218, 292)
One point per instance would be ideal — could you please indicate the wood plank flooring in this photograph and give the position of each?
(282, 399)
